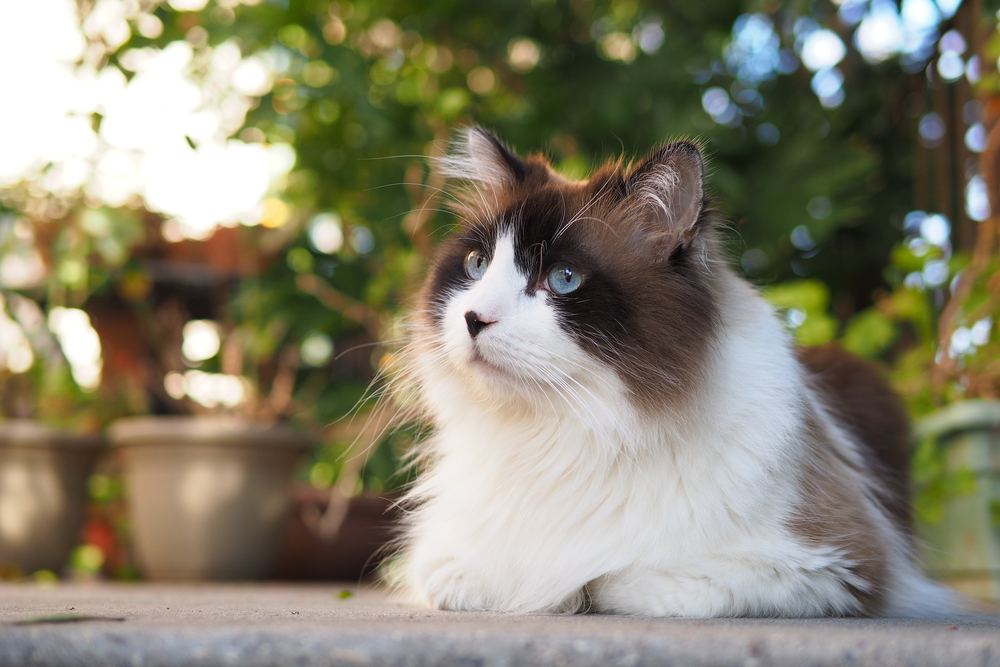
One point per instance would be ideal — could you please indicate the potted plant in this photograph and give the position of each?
(56, 393)
(960, 529)
(207, 495)
(43, 493)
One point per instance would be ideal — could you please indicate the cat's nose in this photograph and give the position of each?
(474, 323)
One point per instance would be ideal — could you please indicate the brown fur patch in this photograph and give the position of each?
(832, 514)
(854, 391)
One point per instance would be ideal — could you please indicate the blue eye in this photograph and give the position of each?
(564, 279)
(476, 265)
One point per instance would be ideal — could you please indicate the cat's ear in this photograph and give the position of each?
(478, 156)
(669, 185)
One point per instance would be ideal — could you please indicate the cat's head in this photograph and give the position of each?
(556, 290)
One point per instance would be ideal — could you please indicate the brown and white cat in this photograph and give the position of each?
(624, 425)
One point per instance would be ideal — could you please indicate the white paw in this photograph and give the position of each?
(659, 594)
(451, 586)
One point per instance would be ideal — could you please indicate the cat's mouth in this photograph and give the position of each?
(481, 363)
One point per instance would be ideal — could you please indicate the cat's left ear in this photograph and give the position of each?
(669, 183)
(478, 156)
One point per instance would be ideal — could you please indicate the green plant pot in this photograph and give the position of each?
(963, 548)
(43, 493)
(207, 496)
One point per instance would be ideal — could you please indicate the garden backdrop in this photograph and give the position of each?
(225, 206)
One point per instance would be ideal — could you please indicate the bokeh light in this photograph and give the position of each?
(649, 35)
(362, 240)
(975, 138)
(523, 54)
(822, 49)
(201, 340)
(802, 239)
(214, 389)
(935, 229)
(189, 168)
(931, 129)
(977, 199)
(754, 261)
(21, 264)
(80, 345)
(768, 134)
(754, 55)
(717, 104)
(880, 34)
(820, 207)
(316, 349)
(325, 233)
(16, 354)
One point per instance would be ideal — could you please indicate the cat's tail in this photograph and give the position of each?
(916, 596)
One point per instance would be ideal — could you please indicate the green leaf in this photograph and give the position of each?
(962, 483)
(818, 328)
(300, 260)
(812, 296)
(995, 512)
(903, 259)
(452, 102)
(868, 333)
(928, 462)
(928, 505)
(88, 558)
(935, 486)
(914, 307)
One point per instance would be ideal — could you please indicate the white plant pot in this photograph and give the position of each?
(207, 496)
(43, 493)
(963, 549)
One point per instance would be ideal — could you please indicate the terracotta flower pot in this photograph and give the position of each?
(963, 549)
(43, 493)
(207, 496)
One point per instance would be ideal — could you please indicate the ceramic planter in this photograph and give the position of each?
(207, 496)
(963, 549)
(43, 493)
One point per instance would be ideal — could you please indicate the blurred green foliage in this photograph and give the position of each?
(370, 87)
(805, 304)
(935, 483)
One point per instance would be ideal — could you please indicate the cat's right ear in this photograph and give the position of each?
(478, 156)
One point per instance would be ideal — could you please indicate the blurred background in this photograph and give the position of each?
(222, 207)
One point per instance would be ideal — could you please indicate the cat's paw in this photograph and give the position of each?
(659, 594)
(449, 585)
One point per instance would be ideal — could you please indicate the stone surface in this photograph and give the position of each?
(279, 624)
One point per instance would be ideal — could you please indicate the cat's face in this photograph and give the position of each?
(558, 291)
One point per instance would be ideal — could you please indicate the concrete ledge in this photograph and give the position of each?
(275, 624)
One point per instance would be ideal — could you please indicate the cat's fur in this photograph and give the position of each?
(651, 443)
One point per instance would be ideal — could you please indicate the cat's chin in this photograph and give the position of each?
(491, 376)
(479, 366)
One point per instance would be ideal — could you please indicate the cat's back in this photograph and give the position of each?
(859, 397)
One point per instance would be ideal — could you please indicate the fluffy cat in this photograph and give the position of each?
(621, 424)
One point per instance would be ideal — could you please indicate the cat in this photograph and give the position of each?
(623, 425)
